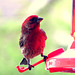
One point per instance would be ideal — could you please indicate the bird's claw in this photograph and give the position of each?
(30, 66)
(45, 57)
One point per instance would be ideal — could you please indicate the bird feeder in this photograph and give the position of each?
(60, 60)
(64, 62)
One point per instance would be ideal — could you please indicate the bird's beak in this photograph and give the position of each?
(39, 19)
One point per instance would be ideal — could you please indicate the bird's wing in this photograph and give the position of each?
(44, 34)
(21, 41)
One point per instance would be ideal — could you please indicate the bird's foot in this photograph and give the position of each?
(30, 66)
(44, 57)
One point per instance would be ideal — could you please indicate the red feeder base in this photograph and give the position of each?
(61, 65)
(64, 62)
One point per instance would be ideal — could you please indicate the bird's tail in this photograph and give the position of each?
(23, 62)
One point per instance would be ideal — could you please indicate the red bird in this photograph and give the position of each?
(32, 40)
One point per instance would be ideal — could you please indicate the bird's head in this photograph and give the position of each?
(32, 22)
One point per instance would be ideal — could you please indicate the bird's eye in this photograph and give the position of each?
(33, 19)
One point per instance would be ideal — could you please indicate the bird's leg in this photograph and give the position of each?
(29, 66)
(45, 57)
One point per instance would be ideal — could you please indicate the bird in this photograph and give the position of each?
(32, 39)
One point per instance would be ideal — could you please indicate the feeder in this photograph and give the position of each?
(64, 62)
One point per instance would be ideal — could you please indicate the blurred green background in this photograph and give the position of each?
(56, 24)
